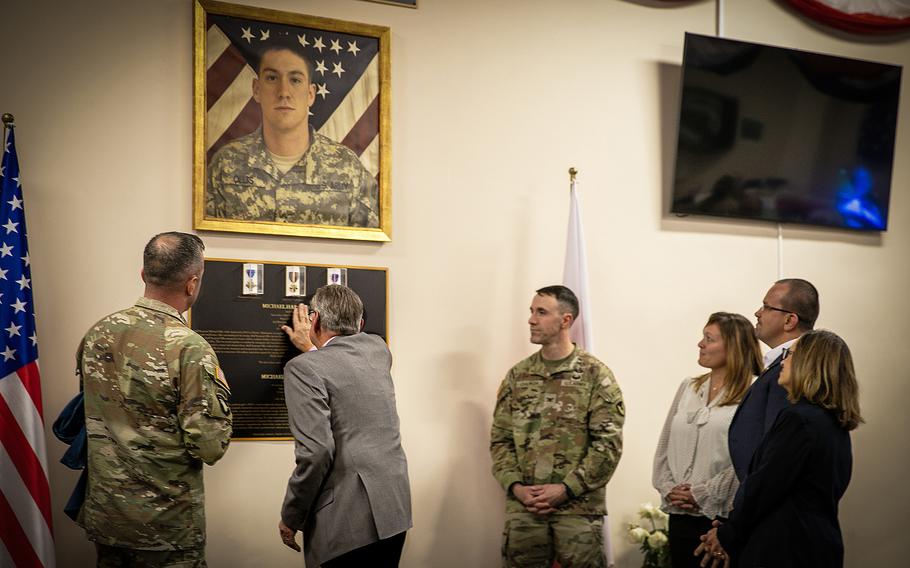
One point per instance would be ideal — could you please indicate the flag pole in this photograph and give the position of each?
(575, 276)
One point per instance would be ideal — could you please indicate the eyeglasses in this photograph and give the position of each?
(776, 309)
(767, 307)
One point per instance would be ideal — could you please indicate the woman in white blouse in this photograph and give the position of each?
(692, 467)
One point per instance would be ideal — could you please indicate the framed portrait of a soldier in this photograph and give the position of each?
(291, 128)
(240, 312)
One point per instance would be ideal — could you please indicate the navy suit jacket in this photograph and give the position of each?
(753, 419)
(788, 514)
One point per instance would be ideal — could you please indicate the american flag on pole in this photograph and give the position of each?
(26, 537)
(575, 277)
(346, 77)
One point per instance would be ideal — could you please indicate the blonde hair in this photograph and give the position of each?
(743, 353)
(821, 371)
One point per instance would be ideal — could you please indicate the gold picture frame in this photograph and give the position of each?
(341, 187)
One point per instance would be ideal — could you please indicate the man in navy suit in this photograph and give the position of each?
(788, 310)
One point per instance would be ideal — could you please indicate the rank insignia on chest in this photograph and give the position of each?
(570, 379)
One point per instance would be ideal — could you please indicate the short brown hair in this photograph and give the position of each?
(565, 298)
(801, 299)
(822, 372)
(288, 46)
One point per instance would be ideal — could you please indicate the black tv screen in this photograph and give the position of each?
(784, 135)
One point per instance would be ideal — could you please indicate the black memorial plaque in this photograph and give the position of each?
(245, 332)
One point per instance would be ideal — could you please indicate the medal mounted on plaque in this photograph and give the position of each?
(294, 281)
(253, 284)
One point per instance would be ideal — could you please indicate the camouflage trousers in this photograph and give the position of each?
(529, 541)
(118, 557)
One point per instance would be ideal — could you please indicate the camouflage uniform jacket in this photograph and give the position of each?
(328, 186)
(563, 426)
(155, 410)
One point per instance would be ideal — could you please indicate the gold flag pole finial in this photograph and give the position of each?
(572, 173)
(8, 120)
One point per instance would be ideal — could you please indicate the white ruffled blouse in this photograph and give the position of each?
(693, 449)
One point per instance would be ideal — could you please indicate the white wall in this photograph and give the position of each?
(492, 103)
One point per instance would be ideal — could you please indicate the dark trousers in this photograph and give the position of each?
(119, 557)
(684, 534)
(380, 554)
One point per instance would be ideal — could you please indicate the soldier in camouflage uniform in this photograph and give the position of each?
(285, 171)
(155, 410)
(555, 442)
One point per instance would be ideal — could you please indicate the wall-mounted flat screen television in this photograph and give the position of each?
(784, 135)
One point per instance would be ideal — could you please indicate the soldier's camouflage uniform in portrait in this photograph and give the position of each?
(557, 422)
(156, 409)
(327, 186)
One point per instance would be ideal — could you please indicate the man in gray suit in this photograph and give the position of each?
(349, 492)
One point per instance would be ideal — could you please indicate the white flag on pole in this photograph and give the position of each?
(575, 273)
(575, 277)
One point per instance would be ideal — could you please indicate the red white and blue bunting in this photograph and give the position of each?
(858, 16)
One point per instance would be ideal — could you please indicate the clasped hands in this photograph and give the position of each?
(681, 496)
(714, 555)
(541, 499)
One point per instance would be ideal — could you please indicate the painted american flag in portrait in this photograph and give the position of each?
(346, 77)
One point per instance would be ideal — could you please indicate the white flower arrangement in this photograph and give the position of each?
(652, 542)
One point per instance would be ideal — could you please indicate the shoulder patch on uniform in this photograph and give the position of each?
(219, 376)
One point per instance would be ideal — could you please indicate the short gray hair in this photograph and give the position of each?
(340, 309)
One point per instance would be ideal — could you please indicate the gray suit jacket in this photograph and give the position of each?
(350, 487)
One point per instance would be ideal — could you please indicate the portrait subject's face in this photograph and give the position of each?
(284, 91)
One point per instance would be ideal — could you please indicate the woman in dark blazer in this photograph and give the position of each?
(788, 516)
